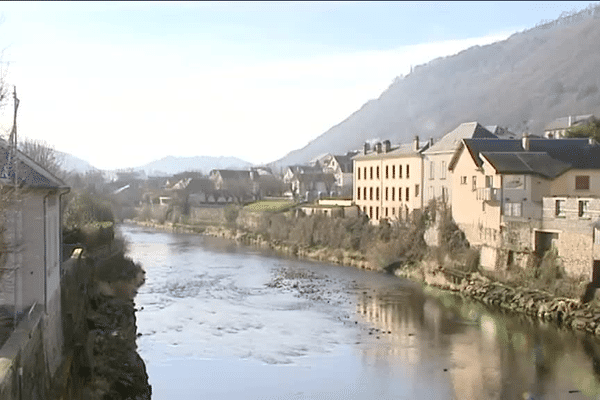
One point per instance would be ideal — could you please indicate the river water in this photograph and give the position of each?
(222, 321)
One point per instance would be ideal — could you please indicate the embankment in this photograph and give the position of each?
(100, 327)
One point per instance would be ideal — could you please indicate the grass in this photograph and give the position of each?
(269, 205)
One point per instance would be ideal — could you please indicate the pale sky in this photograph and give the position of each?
(121, 84)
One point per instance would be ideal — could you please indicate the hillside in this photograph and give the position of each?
(521, 83)
(172, 165)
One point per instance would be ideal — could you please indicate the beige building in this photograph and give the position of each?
(557, 128)
(388, 182)
(500, 186)
(438, 182)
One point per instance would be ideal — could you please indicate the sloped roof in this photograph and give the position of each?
(29, 173)
(305, 169)
(576, 153)
(345, 163)
(537, 163)
(451, 141)
(321, 177)
(404, 149)
(232, 174)
(563, 122)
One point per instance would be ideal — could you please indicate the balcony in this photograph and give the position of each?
(488, 194)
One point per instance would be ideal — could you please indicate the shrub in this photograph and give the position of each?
(231, 214)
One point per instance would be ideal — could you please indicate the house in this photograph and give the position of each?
(557, 128)
(239, 184)
(32, 238)
(312, 186)
(342, 169)
(437, 181)
(388, 181)
(500, 186)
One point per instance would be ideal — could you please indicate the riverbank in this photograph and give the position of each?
(565, 312)
(101, 328)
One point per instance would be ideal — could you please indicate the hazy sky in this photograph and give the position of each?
(120, 84)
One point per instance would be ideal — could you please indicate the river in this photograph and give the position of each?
(218, 320)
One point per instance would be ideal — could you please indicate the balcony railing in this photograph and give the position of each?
(488, 194)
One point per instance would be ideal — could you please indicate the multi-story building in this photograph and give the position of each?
(437, 181)
(388, 182)
(500, 188)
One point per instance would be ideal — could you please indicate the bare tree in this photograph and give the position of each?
(44, 155)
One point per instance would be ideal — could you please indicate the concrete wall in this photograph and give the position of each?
(23, 363)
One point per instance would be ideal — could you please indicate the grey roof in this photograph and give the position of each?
(305, 169)
(563, 122)
(345, 163)
(574, 153)
(451, 141)
(232, 173)
(405, 149)
(29, 173)
(537, 163)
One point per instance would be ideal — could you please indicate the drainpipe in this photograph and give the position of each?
(45, 204)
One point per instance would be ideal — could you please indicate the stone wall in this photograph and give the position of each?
(208, 214)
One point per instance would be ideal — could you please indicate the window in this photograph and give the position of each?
(430, 193)
(582, 182)
(365, 173)
(393, 211)
(371, 172)
(583, 208)
(376, 193)
(407, 171)
(358, 194)
(393, 193)
(444, 194)
(407, 194)
(399, 171)
(431, 169)
(371, 212)
(387, 170)
(377, 172)
(488, 181)
(370, 193)
(386, 212)
(393, 172)
(364, 193)
(512, 209)
(463, 180)
(386, 194)
(376, 213)
(358, 174)
(474, 183)
(417, 190)
(443, 170)
(559, 208)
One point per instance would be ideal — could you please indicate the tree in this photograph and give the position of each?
(590, 130)
(44, 155)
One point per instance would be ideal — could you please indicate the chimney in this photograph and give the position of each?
(430, 141)
(525, 141)
(378, 147)
(416, 143)
(387, 146)
(366, 148)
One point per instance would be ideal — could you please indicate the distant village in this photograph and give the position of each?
(511, 196)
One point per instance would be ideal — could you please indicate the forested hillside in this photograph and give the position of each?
(521, 83)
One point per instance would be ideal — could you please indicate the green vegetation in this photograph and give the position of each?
(272, 206)
(591, 130)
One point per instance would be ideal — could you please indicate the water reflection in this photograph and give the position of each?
(487, 355)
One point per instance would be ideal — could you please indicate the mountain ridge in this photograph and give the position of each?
(521, 83)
